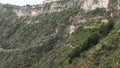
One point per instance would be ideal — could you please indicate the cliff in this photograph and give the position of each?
(60, 34)
(48, 6)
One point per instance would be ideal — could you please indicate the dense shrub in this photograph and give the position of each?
(106, 28)
(98, 11)
(75, 53)
(91, 41)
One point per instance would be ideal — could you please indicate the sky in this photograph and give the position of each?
(21, 2)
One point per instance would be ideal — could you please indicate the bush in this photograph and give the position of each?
(91, 41)
(106, 28)
(97, 11)
(75, 53)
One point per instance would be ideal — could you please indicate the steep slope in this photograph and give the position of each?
(60, 34)
(102, 54)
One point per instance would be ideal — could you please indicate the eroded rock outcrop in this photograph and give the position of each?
(93, 4)
(72, 29)
(48, 6)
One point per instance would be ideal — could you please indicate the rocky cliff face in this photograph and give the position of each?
(49, 6)
(93, 4)
(49, 1)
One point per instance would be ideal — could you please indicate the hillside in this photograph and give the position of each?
(60, 34)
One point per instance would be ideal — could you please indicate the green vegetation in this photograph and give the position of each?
(97, 12)
(92, 40)
(106, 28)
(48, 44)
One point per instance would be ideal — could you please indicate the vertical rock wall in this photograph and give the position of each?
(93, 4)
